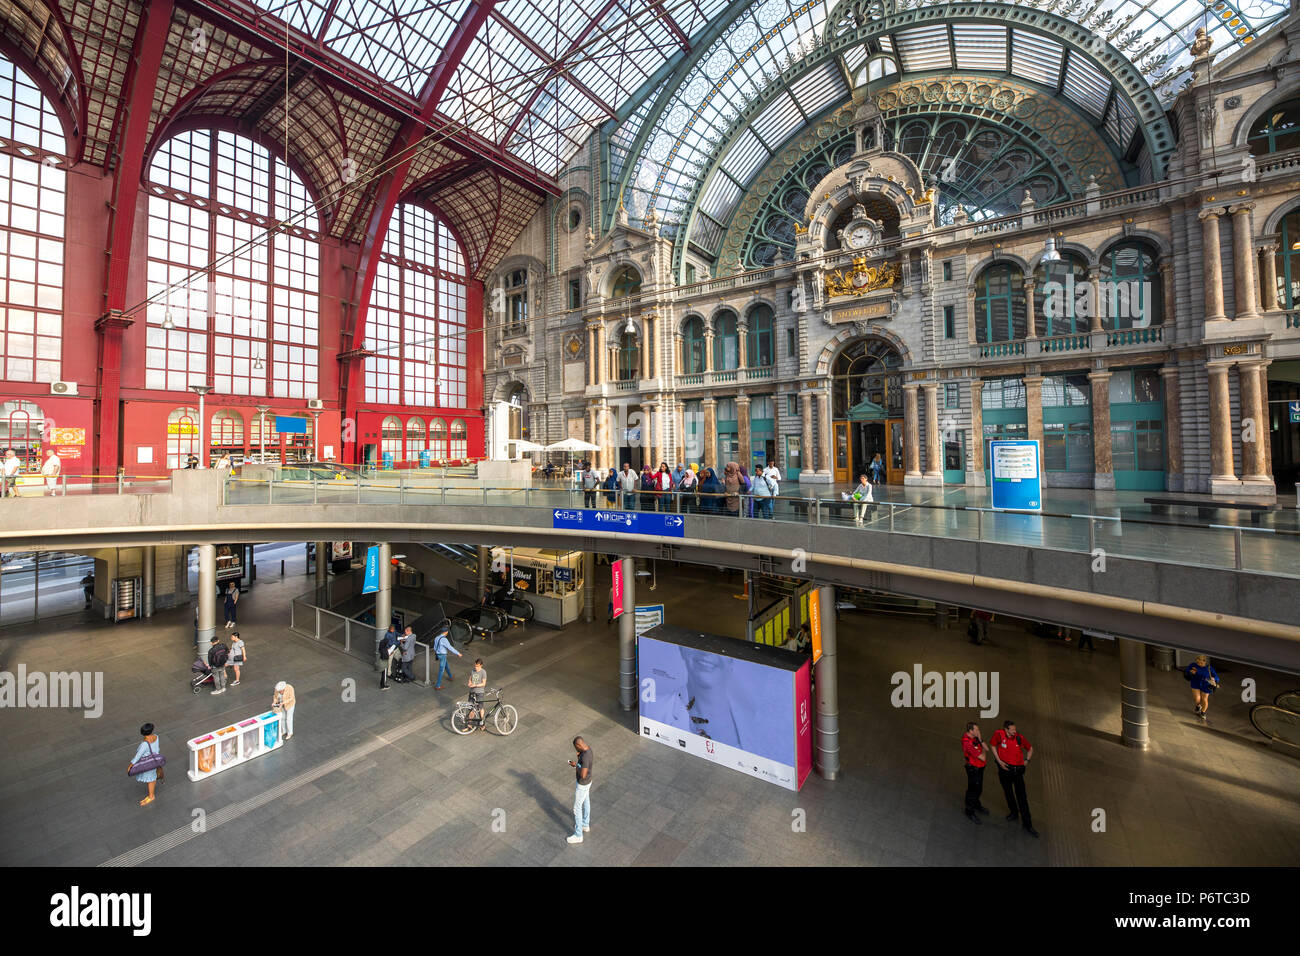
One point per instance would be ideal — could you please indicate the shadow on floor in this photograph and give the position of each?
(545, 799)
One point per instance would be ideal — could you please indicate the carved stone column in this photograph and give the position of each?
(1096, 323)
(1031, 322)
(1103, 464)
(1173, 428)
(649, 440)
(824, 435)
(1268, 420)
(645, 348)
(710, 407)
(975, 464)
(1221, 464)
(1268, 299)
(708, 349)
(1253, 424)
(1212, 265)
(1168, 314)
(593, 351)
(806, 439)
(608, 450)
(933, 444)
(742, 426)
(1245, 285)
(911, 434)
(602, 355)
(742, 344)
(680, 451)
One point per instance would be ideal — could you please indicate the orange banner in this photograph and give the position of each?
(815, 620)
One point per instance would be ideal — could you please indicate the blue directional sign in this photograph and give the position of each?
(633, 522)
(563, 573)
(1016, 474)
(1295, 411)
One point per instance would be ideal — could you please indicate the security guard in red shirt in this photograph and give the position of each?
(1013, 752)
(972, 747)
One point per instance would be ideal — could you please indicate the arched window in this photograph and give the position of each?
(416, 438)
(1057, 287)
(1130, 288)
(693, 345)
(260, 324)
(517, 301)
(416, 320)
(390, 438)
(627, 284)
(758, 348)
(518, 402)
(459, 444)
(227, 432)
(629, 357)
(1277, 130)
(22, 426)
(1000, 304)
(726, 342)
(1288, 264)
(182, 436)
(272, 443)
(32, 198)
(438, 439)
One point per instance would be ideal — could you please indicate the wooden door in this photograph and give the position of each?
(895, 467)
(842, 448)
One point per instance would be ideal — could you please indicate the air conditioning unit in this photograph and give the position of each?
(63, 388)
(315, 403)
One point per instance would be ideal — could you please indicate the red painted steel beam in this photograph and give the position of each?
(140, 81)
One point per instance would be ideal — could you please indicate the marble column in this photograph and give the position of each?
(911, 434)
(1103, 464)
(593, 436)
(1212, 265)
(1034, 408)
(649, 414)
(710, 407)
(1253, 425)
(593, 350)
(608, 450)
(975, 464)
(742, 342)
(742, 426)
(823, 434)
(1222, 467)
(602, 355)
(1173, 428)
(708, 350)
(1031, 322)
(645, 349)
(1245, 285)
(1096, 321)
(806, 439)
(1268, 299)
(933, 440)
(680, 451)
(1268, 420)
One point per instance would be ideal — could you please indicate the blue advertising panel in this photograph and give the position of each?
(1016, 473)
(424, 458)
(389, 460)
(290, 426)
(635, 522)
(733, 711)
(371, 583)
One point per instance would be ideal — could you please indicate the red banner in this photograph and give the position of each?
(803, 731)
(616, 570)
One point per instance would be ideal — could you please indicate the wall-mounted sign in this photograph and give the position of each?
(880, 309)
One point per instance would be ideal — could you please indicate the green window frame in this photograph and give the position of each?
(1057, 314)
(1130, 287)
(1000, 313)
(726, 342)
(1288, 263)
(759, 345)
(693, 344)
(949, 322)
(629, 358)
(1277, 130)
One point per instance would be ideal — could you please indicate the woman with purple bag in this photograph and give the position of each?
(148, 756)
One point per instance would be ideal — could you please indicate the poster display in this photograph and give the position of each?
(616, 572)
(815, 623)
(1014, 467)
(371, 583)
(648, 616)
(743, 705)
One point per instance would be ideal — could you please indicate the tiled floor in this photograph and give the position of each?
(383, 780)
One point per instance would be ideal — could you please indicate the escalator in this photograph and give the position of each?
(1279, 720)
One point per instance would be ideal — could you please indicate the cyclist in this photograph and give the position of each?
(477, 686)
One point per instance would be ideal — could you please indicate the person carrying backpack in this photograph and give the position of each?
(218, 655)
(387, 652)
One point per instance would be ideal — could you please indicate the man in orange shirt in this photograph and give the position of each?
(1013, 752)
(976, 754)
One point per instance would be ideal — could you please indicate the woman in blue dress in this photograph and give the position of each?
(147, 746)
(1205, 681)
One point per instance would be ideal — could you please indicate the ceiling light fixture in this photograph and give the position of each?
(1049, 251)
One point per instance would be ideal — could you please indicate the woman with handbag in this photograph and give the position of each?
(146, 766)
(1205, 681)
(238, 654)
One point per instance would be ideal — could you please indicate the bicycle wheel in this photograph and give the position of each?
(507, 719)
(1276, 723)
(460, 720)
(1288, 700)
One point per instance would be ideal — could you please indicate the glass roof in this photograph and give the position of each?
(540, 74)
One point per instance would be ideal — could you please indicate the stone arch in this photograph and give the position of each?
(1001, 259)
(1241, 132)
(1089, 256)
(1273, 224)
(711, 322)
(615, 268)
(508, 385)
(1141, 236)
(845, 336)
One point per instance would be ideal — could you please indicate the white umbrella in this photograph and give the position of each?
(572, 445)
(523, 444)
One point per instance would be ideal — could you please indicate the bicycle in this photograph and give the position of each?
(503, 715)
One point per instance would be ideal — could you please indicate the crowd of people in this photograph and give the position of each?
(687, 489)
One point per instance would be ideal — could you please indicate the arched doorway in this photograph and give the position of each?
(867, 410)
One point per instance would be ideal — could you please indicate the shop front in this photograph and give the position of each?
(550, 579)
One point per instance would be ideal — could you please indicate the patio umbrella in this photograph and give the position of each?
(572, 445)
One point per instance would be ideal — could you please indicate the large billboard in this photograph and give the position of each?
(745, 706)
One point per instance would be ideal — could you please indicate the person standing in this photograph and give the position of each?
(224, 463)
(12, 467)
(732, 485)
(408, 653)
(610, 485)
(1205, 681)
(688, 489)
(590, 481)
(282, 703)
(679, 473)
(50, 469)
(976, 754)
(665, 484)
(381, 660)
(477, 685)
(877, 468)
(442, 646)
(581, 790)
(627, 480)
(388, 647)
(1085, 637)
(764, 490)
(238, 655)
(773, 476)
(232, 598)
(147, 746)
(1013, 752)
(648, 487)
(979, 625)
(218, 654)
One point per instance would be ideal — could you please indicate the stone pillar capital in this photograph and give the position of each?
(1100, 375)
(1268, 248)
(1213, 213)
(1238, 208)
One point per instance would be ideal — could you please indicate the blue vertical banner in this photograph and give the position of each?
(371, 583)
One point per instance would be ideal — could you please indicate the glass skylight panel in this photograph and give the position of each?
(303, 15)
(1035, 58)
(744, 158)
(855, 58)
(778, 121)
(980, 46)
(398, 41)
(1086, 85)
(925, 48)
(707, 234)
(819, 88)
(720, 198)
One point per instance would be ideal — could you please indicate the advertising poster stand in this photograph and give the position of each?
(1015, 473)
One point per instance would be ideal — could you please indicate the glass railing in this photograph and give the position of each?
(1268, 550)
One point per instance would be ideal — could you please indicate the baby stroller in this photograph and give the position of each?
(202, 674)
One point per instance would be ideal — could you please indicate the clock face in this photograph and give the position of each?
(860, 236)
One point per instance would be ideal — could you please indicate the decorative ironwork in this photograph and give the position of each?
(861, 278)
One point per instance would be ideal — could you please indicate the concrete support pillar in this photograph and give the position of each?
(1103, 465)
(627, 637)
(826, 745)
(589, 585)
(207, 597)
(1222, 467)
(1268, 298)
(1173, 428)
(823, 434)
(484, 567)
(933, 445)
(806, 439)
(1254, 424)
(148, 559)
(710, 407)
(1034, 407)
(742, 425)
(384, 596)
(1211, 266)
(1133, 693)
(911, 434)
(1162, 658)
(1245, 285)
(1031, 322)
(976, 462)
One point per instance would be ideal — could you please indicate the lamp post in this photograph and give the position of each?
(262, 410)
(202, 390)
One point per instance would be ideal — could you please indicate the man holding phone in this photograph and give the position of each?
(581, 791)
(976, 754)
